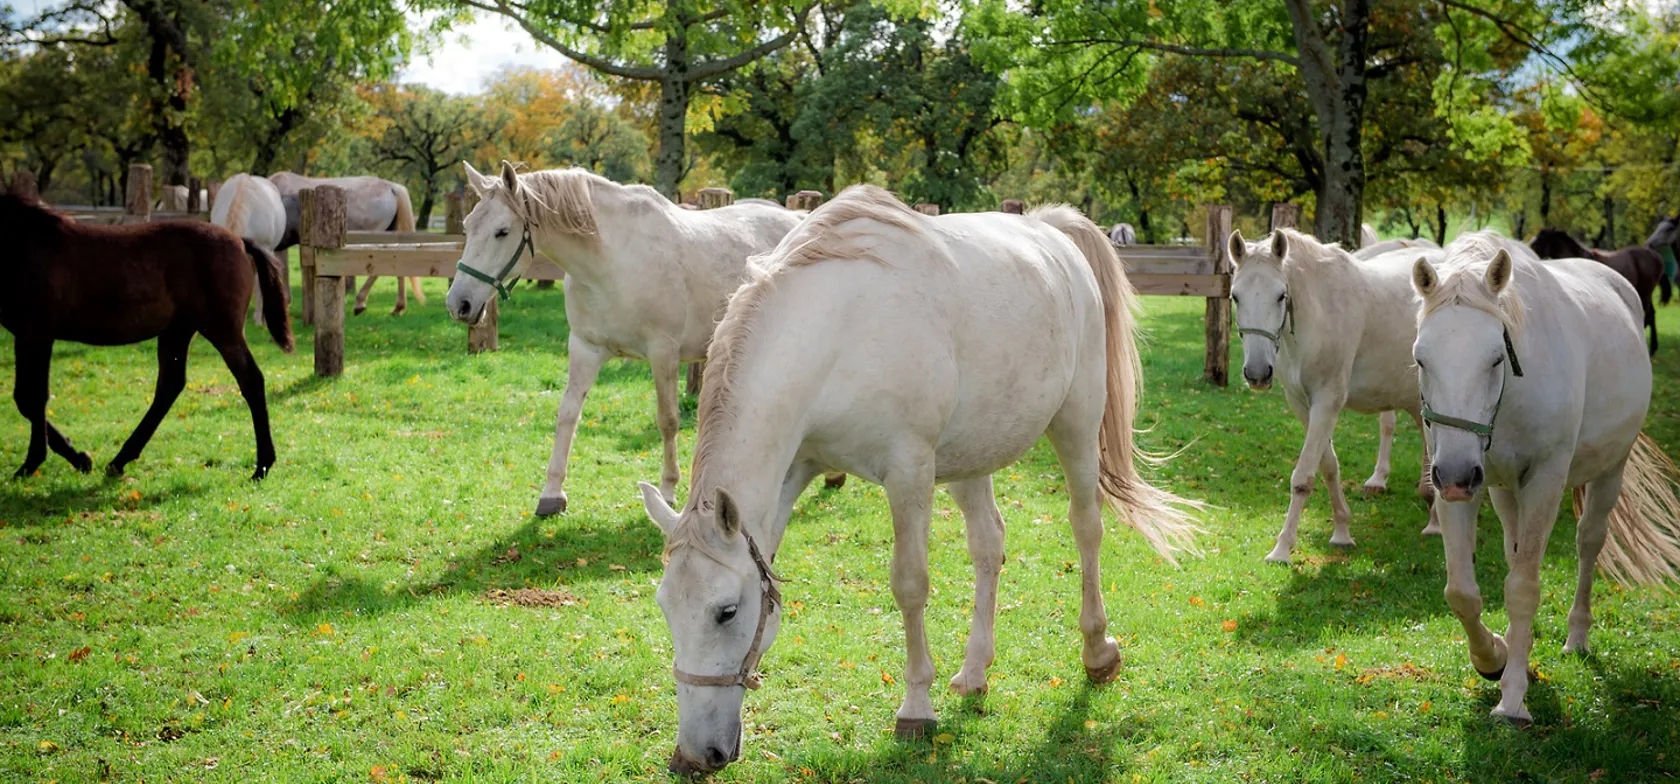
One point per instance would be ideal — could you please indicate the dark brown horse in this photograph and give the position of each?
(109, 286)
(1640, 265)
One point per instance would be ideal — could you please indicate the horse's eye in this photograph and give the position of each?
(1236, 300)
(1419, 363)
(1282, 296)
(501, 233)
(726, 614)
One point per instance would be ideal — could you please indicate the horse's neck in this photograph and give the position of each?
(601, 263)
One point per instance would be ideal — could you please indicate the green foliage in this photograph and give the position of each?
(602, 141)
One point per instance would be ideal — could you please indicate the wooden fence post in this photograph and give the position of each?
(194, 203)
(805, 200)
(927, 208)
(137, 205)
(484, 336)
(710, 199)
(1217, 368)
(211, 188)
(454, 214)
(327, 230)
(1013, 206)
(1285, 215)
(306, 252)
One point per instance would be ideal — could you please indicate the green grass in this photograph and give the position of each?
(327, 624)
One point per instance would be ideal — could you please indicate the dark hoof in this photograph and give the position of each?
(398, 311)
(915, 729)
(83, 462)
(24, 472)
(114, 469)
(1103, 674)
(1491, 676)
(358, 310)
(260, 473)
(550, 505)
(834, 481)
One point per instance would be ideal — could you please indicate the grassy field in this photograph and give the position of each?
(339, 621)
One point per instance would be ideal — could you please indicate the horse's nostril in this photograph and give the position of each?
(1476, 477)
(715, 757)
(1435, 476)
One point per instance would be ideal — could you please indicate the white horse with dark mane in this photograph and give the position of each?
(370, 204)
(910, 351)
(1329, 327)
(644, 279)
(1535, 379)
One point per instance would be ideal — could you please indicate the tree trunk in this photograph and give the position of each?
(1608, 237)
(1545, 198)
(1336, 87)
(423, 218)
(1440, 224)
(673, 113)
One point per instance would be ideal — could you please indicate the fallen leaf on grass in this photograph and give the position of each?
(78, 655)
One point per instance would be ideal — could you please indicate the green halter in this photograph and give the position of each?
(503, 286)
(1480, 429)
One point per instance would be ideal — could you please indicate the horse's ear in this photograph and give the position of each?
(662, 514)
(1280, 245)
(728, 515)
(1423, 276)
(476, 180)
(1499, 272)
(1238, 247)
(510, 178)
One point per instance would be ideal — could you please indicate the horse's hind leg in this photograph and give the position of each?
(362, 295)
(172, 378)
(414, 283)
(1340, 514)
(1601, 496)
(1378, 483)
(238, 357)
(668, 399)
(1426, 486)
(909, 486)
(1073, 434)
(583, 363)
(985, 549)
(34, 365)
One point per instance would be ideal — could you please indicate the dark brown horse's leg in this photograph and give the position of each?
(172, 378)
(238, 357)
(1651, 320)
(34, 364)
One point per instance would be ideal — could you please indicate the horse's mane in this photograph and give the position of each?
(815, 239)
(236, 206)
(1463, 281)
(1553, 239)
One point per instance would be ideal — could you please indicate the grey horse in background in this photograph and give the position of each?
(371, 204)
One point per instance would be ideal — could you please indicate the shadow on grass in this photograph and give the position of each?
(21, 508)
(540, 554)
(1068, 751)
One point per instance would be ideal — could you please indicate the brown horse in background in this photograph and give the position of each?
(1640, 265)
(115, 285)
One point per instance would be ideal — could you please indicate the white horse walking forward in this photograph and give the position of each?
(1535, 379)
(910, 351)
(644, 279)
(1332, 329)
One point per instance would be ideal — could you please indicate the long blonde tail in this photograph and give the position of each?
(1643, 546)
(1165, 520)
(236, 208)
(406, 222)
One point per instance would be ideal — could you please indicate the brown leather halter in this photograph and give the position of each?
(772, 596)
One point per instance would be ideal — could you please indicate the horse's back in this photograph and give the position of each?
(116, 285)
(262, 217)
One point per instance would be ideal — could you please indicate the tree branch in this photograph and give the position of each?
(598, 63)
(1188, 51)
(708, 69)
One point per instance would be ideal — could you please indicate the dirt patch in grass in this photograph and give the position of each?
(530, 597)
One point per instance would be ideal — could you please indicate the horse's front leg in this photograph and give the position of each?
(668, 398)
(34, 365)
(1524, 548)
(985, 550)
(1378, 483)
(1320, 420)
(362, 294)
(584, 361)
(172, 378)
(1464, 596)
(910, 493)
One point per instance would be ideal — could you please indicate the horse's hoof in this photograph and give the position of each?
(1347, 542)
(1518, 721)
(551, 505)
(1104, 674)
(83, 462)
(1433, 529)
(962, 684)
(834, 481)
(259, 474)
(398, 311)
(23, 473)
(1374, 489)
(915, 729)
(1491, 676)
(114, 469)
(1278, 556)
(358, 310)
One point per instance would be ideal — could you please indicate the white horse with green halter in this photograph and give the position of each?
(910, 351)
(1536, 379)
(1329, 328)
(644, 280)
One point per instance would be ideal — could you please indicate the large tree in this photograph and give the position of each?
(424, 134)
(678, 45)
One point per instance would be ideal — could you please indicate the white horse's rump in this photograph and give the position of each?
(250, 207)
(644, 279)
(1332, 330)
(370, 204)
(1536, 379)
(1389, 246)
(910, 351)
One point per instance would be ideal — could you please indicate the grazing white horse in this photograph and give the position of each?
(910, 351)
(1535, 380)
(370, 204)
(1332, 329)
(644, 279)
(250, 207)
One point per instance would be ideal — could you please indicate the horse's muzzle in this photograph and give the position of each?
(1258, 380)
(715, 760)
(1458, 485)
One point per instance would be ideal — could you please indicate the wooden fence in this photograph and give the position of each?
(137, 202)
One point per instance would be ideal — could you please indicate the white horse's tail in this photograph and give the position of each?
(405, 222)
(1164, 519)
(236, 208)
(1643, 547)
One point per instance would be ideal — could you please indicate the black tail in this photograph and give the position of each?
(276, 296)
(1665, 284)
